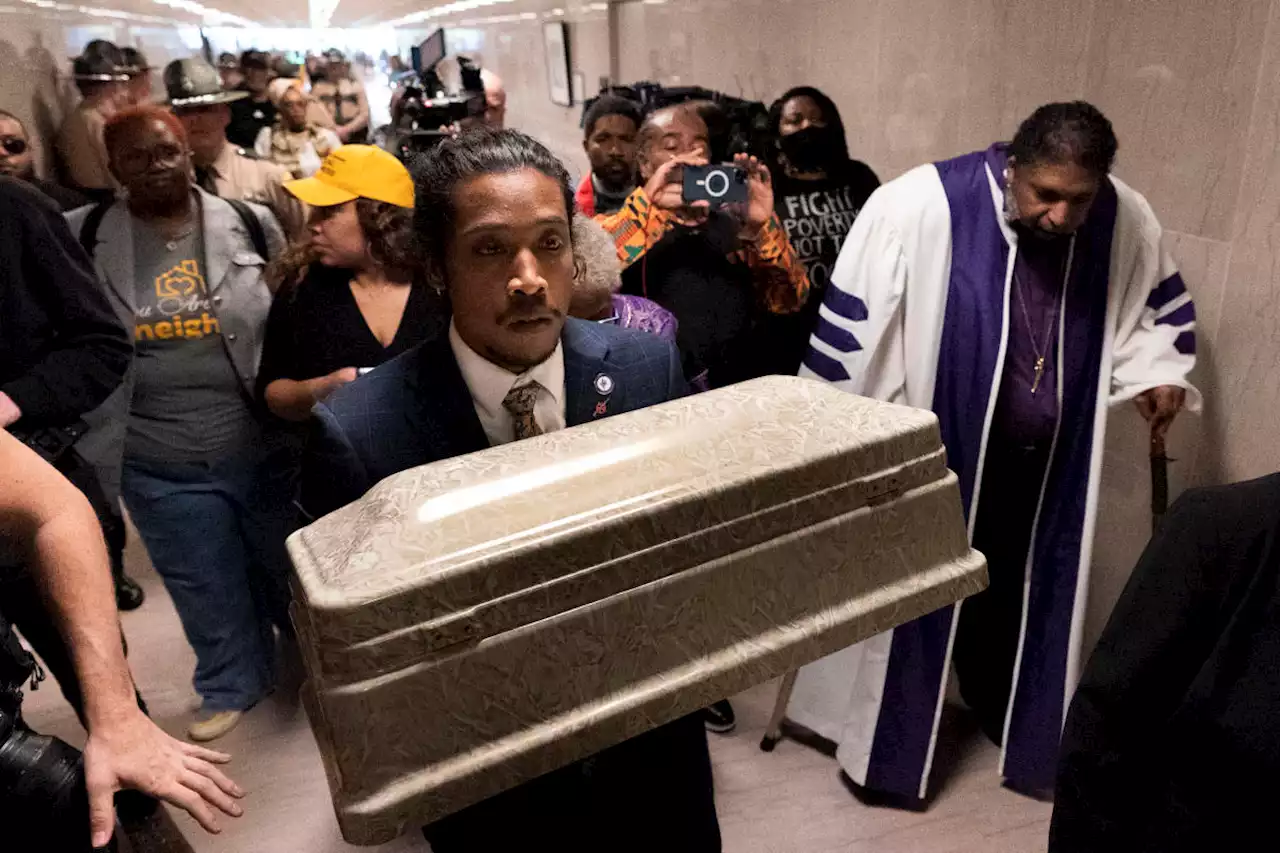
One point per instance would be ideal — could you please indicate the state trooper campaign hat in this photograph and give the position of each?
(101, 62)
(193, 82)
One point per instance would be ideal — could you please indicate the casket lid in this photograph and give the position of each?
(451, 535)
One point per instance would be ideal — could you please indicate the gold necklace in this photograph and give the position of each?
(1048, 332)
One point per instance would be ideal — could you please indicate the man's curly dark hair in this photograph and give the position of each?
(1069, 132)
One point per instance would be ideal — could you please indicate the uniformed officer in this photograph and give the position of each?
(344, 98)
(102, 79)
(199, 101)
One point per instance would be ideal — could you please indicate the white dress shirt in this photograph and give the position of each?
(489, 385)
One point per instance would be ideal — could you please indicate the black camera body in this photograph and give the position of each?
(44, 804)
(717, 185)
(423, 107)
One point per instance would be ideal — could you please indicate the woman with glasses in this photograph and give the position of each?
(17, 161)
(354, 295)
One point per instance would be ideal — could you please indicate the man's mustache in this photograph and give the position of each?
(529, 309)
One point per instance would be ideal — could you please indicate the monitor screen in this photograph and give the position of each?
(430, 51)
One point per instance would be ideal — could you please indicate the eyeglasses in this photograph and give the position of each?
(13, 145)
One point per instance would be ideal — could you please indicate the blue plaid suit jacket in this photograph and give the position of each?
(416, 408)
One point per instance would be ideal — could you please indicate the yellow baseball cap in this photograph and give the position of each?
(356, 171)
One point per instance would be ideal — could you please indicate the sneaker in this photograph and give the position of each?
(129, 596)
(719, 717)
(211, 725)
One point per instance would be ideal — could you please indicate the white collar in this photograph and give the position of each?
(489, 383)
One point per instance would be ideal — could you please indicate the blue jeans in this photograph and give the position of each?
(215, 533)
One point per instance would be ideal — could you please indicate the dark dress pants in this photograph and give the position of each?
(648, 794)
(990, 622)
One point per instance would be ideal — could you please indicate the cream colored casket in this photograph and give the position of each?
(476, 622)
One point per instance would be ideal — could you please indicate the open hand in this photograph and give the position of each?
(759, 207)
(665, 188)
(132, 752)
(1160, 406)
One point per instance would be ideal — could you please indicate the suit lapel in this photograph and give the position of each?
(588, 383)
(443, 407)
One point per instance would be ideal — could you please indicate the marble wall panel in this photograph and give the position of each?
(1177, 78)
(954, 77)
(1124, 508)
(1247, 347)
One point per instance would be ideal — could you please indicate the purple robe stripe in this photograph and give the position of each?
(1031, 748)
(824, 365)
(1186, 343)
(845, 305)
(832, 335)
(1179, 316)
(972, 331)
(1166, 291)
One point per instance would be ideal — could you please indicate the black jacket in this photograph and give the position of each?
(1172, 743)
(62, 348)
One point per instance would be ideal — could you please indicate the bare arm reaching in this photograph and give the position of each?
(125, 749)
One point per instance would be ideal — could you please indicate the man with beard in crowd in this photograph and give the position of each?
(611, 125)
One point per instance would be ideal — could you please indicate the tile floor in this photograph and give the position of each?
(787, 801)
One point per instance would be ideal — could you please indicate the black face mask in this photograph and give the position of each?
(813, 149)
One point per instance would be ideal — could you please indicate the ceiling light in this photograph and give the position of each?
(447, 9)
(209, 16)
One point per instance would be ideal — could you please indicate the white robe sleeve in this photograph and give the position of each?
(858, 343)
(1155, 342)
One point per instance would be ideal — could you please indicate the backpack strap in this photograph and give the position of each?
(253, 225)
(89, 228)
(258, 235)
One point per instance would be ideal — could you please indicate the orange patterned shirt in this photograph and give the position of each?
(780, 278)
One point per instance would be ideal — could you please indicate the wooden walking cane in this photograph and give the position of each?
(1159, 480)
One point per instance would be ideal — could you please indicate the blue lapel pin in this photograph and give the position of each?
(604, 384)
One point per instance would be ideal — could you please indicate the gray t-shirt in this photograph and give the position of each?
(188, 403)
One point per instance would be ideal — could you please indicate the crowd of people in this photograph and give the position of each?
(248, 310)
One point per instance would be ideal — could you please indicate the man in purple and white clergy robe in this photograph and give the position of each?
(1017, 292)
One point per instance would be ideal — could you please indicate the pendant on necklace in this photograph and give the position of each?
(1039, 374)
(171, 245)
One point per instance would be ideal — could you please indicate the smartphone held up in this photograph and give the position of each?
(718, 185)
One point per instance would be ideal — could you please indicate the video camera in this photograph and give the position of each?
(44, 804)
(734, 125)
(423, 104)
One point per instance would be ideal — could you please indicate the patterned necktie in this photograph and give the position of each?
(519, 402)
